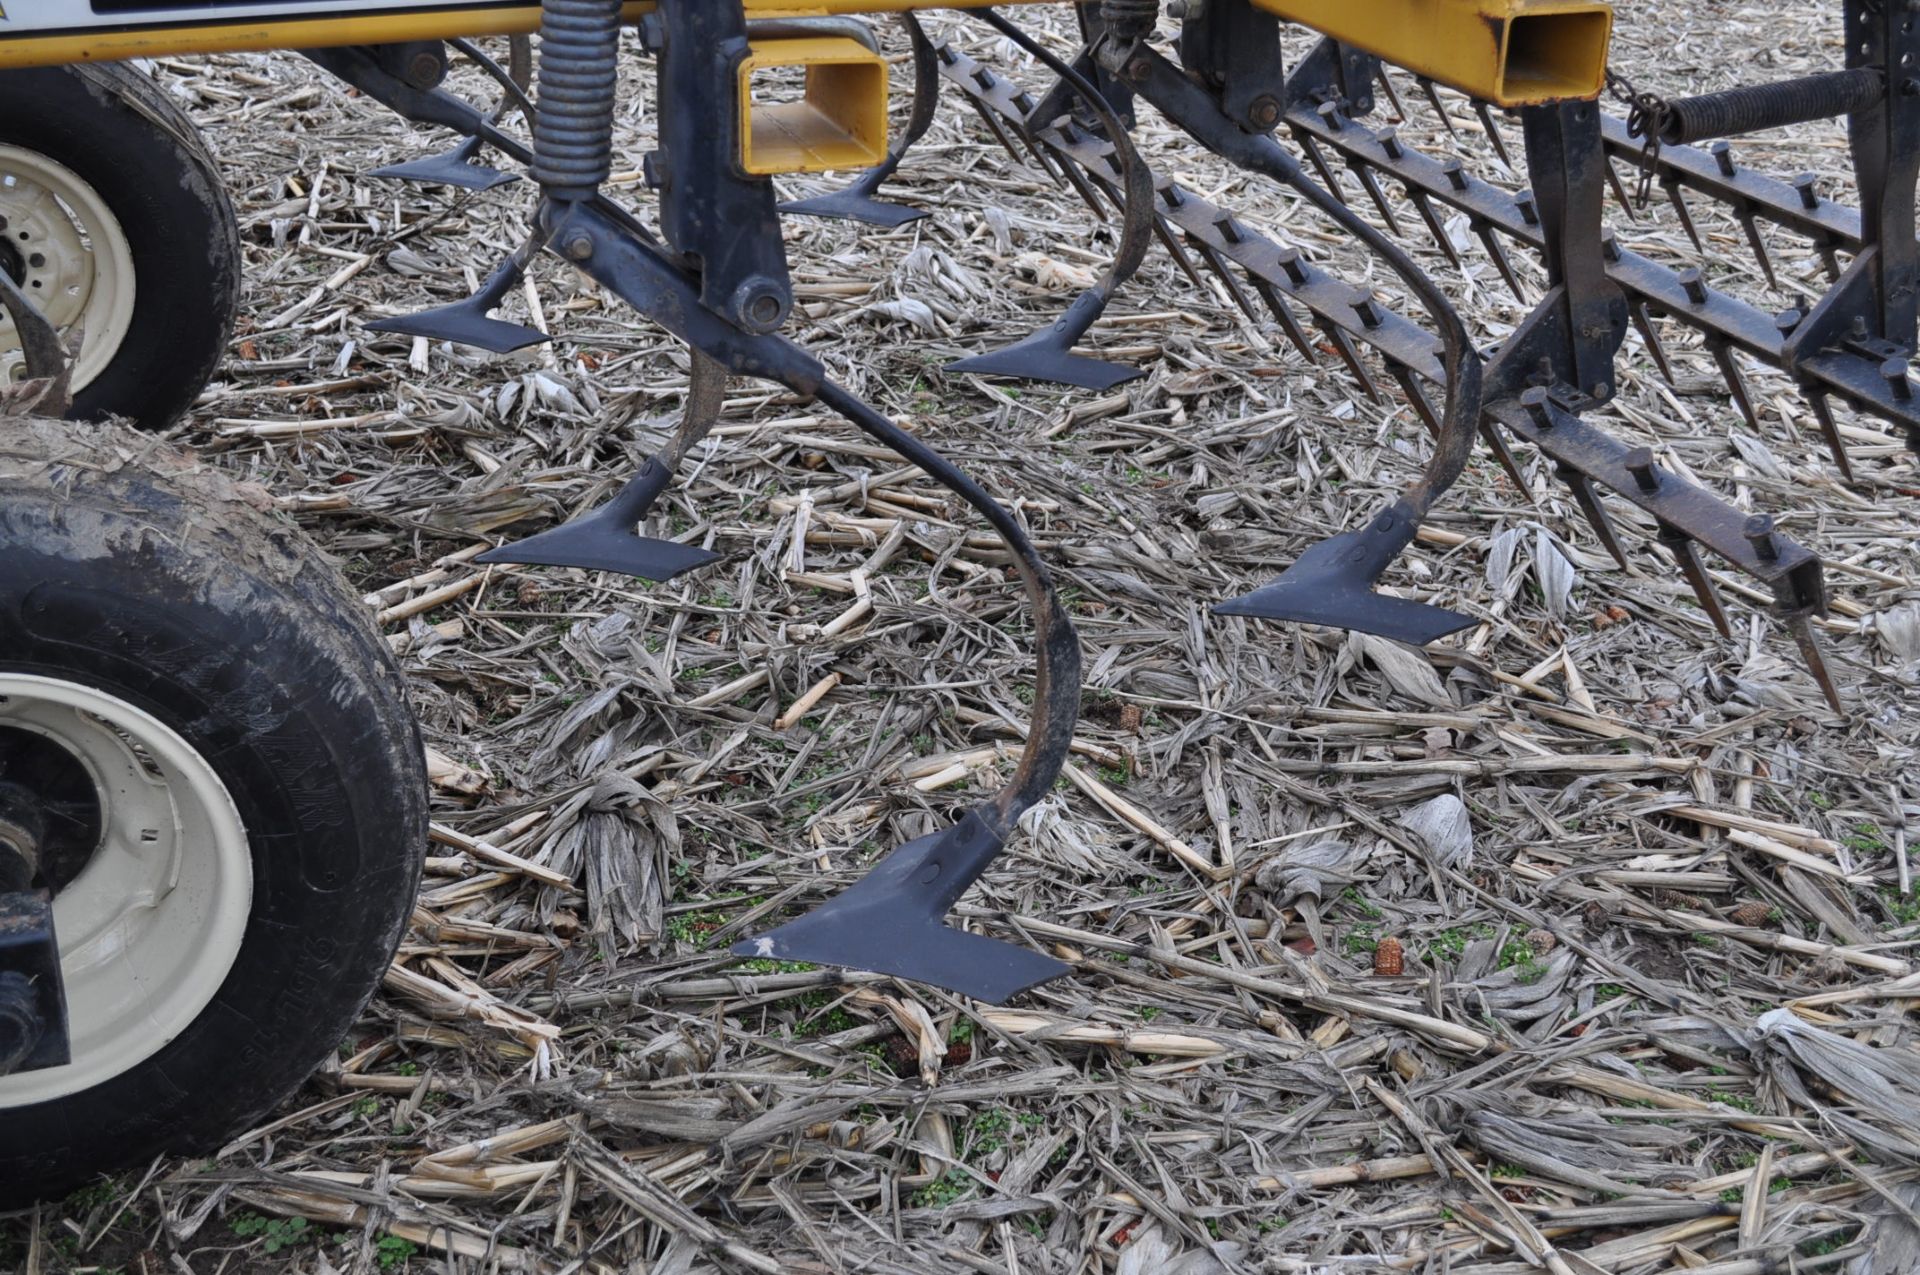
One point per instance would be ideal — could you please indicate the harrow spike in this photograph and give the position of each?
(1410, 386)
(1074, 177)
(1736, 384)
(1001, 135)
(1687, 555)
(1435, 227)
(1498, 251)
(1493, 133)
(1343, 346)
(1595, 513)
(1433, 99)
(1228, 279)
(1800, 625)
(1283, 314)
(1830, 431)
(1371, 184)
(1679, 202)
(1328, 177)
(1164, 231)
(1643, 321)
(1393, 94)
(1497, 444)
(1751, 225)
(1619, 191)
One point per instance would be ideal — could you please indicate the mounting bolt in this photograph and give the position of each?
(1806, 184)
(1265, 111)
(1534, 399)
(1369, 312)
(1528, 212)
(579, 248)
(1173, 195)
(1229, 228)
(1723, 156)
(1389, 140)
(1138, 69)
(1024, 100)
(1787, 320)
(1693, 285)
(1640, 465)
(1759, 534)
(1289, 259)
(759, 304)
(1895, 372)
(1329, 113)
(1456, 172)
(1609, 246)
(426, 70)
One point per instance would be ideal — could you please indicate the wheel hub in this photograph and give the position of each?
(48, 807)
(67, 252)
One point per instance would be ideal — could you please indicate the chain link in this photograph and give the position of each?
(1647, 115)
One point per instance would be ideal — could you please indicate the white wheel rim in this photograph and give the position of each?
(149, 930)
(76, 262)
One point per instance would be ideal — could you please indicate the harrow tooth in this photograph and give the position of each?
(1228, 279)
(1006, 142)
(1736, 384)
(1679, 202)
(1164, 231)
(1620, 192)
(1077, 180)
(1830, 431)
(1687, 555)
(1410, 386)
(1493, 134)
(1800, 624)
(1596, 515)
(1393, 94)
(1435, 227)
(1328, 178)
(1371, 184)
(1433, 99)
(1495, 249)
(1283, 314)
(1643, 322)
(1497, 444)
(1751, 225)
(1343, 346)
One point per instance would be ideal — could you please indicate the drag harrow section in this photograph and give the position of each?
(1594, 277)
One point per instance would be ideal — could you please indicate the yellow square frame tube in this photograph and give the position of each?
(839, 123)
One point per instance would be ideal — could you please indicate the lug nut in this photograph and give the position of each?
(1640, 465)
(1759, 533)
(1693, 285)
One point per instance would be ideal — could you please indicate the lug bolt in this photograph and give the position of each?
(1759, 533)
(579, 248)
(1455, 171)
(1390, 143)
(1534, 399)
(1640, 465)
(1895, 371)
(1809, 196)
(1693, 285)
(1723, 156)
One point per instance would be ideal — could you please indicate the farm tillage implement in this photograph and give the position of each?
(212, 803)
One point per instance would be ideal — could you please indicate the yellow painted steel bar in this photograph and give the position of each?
(1510, 52)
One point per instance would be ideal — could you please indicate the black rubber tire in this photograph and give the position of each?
(132, 568)
(119, 133)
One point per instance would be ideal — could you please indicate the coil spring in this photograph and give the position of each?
(1128, 20)
(573, 120)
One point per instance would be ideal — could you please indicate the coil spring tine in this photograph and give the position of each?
(1284, 316)
(1679, 202)
(1830, 430)
(1643, 321)
(1687, 555)
(1498, 252)
(1433, 99)
(1800, 624)
(1493, 134)
(1596, 515)
(1736, 384)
